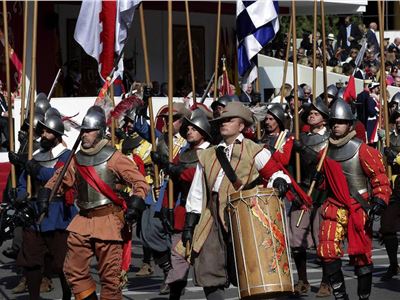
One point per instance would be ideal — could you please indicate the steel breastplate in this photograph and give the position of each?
(87, 196)
(349, 157)
(270, 141)
(315, 141)
(395, 142)
(189, 158)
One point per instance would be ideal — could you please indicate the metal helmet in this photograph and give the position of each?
(321, 107)
(332, 90)
(131, 114)
(395, 98)
(53, 123)
(199, 120)
(394, 115)
(300, 94)
(42, 103)
(341, 110)
(51, 111)
(223, 101)
(95, 119)
(341, 92)
(276, 110)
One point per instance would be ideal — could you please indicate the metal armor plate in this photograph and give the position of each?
(270, 141)
(315, 141)
(395, 142)
(349, 157)
(87, 196)
(189, 157)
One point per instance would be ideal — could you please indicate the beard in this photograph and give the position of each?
(46, 144)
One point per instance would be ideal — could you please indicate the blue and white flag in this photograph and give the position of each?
(256, 25)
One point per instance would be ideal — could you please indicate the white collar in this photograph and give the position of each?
(204, 145)
(239, 138)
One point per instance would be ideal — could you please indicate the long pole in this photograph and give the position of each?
(8, 83)
(23, 78)
(295, 83)
(189, 35)
(217, 50)
(314, 75)
(148, 82)
(111, 90)
(384, 102)
(325, 73)
(286, 59)
(170, 110)
(32, 87)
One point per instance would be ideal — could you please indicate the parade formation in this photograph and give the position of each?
(239, 192)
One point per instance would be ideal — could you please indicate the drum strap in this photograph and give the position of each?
(226, 166)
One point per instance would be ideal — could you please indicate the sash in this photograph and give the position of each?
(93, 179)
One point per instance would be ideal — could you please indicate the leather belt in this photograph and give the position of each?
(100, 211)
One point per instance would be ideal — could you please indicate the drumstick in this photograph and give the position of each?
(311, 189)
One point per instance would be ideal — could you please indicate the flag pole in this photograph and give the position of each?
(148, 83)
(314, 75)
(170, 104)
(295, 87)
(189, 34)
(325, 73)
(23, 78)
(111, 89)
(217, 50)
(286, 59)
(8, 83)
(384, 105)
(32, 86)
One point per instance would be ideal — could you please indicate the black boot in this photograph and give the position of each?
(364, 278)
(65, 288)
(33, 281)
(92, 296)
(336, 279)
(391, 245)
(163, 260)
(176, 289)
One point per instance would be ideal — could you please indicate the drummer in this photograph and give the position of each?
(233, 165)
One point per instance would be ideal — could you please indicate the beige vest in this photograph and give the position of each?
(242, 161)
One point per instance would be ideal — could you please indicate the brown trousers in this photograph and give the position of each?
(77, 266)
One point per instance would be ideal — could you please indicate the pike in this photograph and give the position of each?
(207, 88)
(54, 84)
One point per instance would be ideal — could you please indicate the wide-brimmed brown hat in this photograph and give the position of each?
(236, 110)
(178, 109)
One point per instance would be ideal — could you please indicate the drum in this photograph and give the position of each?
(262, 255)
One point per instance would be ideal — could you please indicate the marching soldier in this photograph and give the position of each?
(155, 232)
(96, 170)
(305, 235)
(196, 130)
(50, 236)
(359, 190)
(222, 170)
(390, 221)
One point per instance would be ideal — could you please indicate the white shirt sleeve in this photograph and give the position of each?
(262, 159)
(194, 200)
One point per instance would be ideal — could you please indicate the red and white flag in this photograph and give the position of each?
(102, 29)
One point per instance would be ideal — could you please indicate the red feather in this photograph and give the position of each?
(126, 104)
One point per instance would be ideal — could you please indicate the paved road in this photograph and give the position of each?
(147, 288)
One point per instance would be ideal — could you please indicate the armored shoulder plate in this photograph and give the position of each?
(189, 156)
(345, 152)
(96, 159)
(162, 146)
(47, 159)
(395, 142)
(269, 141)
(314, 140)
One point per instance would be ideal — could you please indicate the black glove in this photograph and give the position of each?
(318, 178)
(32, 167)
(174, 170)
(42, 201)
(159, 159)
(281, 186)
(147, 93)
(120, 134)
(135, 207)
(390, 155)
(308, 155)
(22, 137)
(17, 159)
(168, 218)
(377, 207)
(191, 221)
